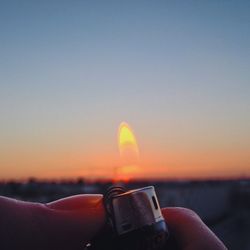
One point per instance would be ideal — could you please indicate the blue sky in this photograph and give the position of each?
(177, 71)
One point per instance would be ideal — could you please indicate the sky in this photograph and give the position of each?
(176, 71)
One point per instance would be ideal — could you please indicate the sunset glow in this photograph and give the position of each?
(176, 72)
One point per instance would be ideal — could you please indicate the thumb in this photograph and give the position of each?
(64, 224)
(73, 221)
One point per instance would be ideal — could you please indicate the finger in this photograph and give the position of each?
(76, 219)
(189, 230)
(64, 224)
(77, 202)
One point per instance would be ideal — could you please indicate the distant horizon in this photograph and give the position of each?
(95, 179)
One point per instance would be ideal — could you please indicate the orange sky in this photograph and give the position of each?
(104, 161)
(177, 72)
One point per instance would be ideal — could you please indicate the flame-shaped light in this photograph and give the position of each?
(129, 152)
(127, 141)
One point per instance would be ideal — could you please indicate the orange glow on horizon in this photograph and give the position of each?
(99, 158)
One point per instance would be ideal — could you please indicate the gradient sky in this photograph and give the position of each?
(177, 71)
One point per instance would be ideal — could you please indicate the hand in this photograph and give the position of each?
(68, 224)
(189, 231)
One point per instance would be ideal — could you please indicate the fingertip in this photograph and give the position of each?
(190, 231)
(76, 202)
(64, 224)
(74, 220)
(79, 211)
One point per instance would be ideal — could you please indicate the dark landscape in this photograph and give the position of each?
(223, 205)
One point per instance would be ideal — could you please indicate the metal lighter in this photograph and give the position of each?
(135, 221)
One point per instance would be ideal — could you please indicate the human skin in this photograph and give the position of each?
(72, 222)
(190, 231)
